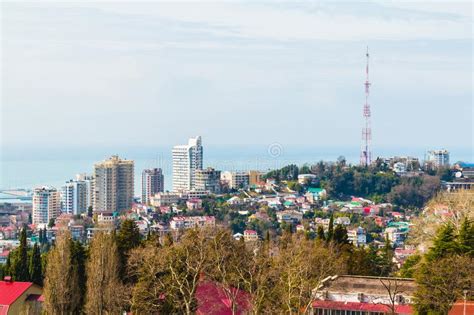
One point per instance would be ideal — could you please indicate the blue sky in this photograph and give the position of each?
(155, 73)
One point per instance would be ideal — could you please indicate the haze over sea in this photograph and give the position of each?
(31, 167)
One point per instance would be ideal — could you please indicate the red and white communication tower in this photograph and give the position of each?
(365, 151)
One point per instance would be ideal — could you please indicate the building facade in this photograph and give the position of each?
(113, 185)
(152, 183)
(89, 181)
(208, 180)
(438, 158)
(46, 204)
(186, 160)
(74, 197)
(235, 180)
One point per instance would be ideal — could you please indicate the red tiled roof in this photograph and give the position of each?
(367, 307)
(10, 291)
(458, 308)
(212, 300)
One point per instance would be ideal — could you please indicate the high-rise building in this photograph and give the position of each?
(74, 197)
(89, 181)
(208, 180)
(113, 185)
(46, 204)
(438, 158)
(186, 160)
(152, 183)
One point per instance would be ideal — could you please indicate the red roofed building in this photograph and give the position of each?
(250, 235)
(16, 296)
(213, 301)
(462, 307)
(360, 295)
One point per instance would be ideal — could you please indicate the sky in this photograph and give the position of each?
(99, 73)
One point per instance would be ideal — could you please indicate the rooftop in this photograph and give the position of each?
(367, 285)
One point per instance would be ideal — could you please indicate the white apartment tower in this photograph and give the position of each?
(152, 183)
(438, 158)
(186, 160)
(74, 197)
(113, 185)
(46, 204)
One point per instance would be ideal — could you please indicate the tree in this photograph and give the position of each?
(128, 238)
(466, 237)
(330, 228)
(21, 270)
(441, 282)
(105, 292)
(444, 243)
(394, 288)
(409, 266)
(320, 233)
(89, 212)
(340, 235)
(61, 279)
(78, 258)
(36, 271)
(301, 267)
(386, 259)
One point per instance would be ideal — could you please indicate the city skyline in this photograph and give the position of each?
(202, 71)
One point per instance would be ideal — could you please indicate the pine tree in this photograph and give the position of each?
(78, 260)
(444, 243)
(466, 237)
(21, 262)
(340, 235)
(321, 235)
(331, 228)
(127, 238)
(386, 259)
(36, 272)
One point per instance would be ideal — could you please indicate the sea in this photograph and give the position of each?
(26, 168)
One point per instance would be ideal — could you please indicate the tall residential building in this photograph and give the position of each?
(186, 160)
(152, 183)
(208, 180)
(74, 197)
(113, 185)
(89, 181)
(438, 158)
(46, 204)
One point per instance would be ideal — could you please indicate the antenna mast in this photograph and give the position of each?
(365, 152)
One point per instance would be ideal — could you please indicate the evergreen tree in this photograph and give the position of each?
(331, 228)
(444, 243)
(466, 237)
(127, 238)
(321, 235)
(40, 236)
(386, 259)
(21, 262)
(340, 235)
(78, 260)
(36, 271)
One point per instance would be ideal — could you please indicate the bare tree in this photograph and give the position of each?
(61, 281)
(395, 288)
(105, 292)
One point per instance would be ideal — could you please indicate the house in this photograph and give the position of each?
(357, 236)
(315, 194)
(250, 235)
(17, 297)
(180, 222)
(364, 295)
(462, 308)
(342, 220)
(304, 179)
(106, 218)
(289, 216)
(3, 255)
(234, 201)
(194, 204)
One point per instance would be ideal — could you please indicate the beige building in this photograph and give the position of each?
(113, 185)
(208, 179)
(46, 204)
(255, 177)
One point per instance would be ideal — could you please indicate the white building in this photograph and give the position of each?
(89, 180)
(289, 216)
(164, 199)
(438, 158)
(235, 180)
(186, 160)
(46, 204)
(357, 236)
(178, 223)
(74, 195)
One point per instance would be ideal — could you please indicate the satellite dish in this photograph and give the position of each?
(458, 174)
